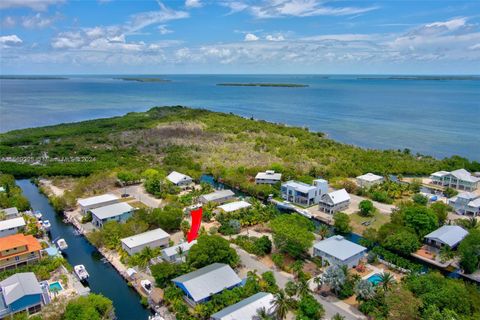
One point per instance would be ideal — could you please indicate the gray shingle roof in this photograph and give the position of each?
(208, 280)
(339, 247)
(247, 308)
(450, 235)
(19, 285)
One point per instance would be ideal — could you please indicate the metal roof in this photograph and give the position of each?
(450, 235)
(145, 238)
(12, 223)
(339, 247)
(370, 177)
(208, 280)
(112, 210)
(10, 211)
(464, 175)
(19, 285)
(234, 206)
(177, 177)
(269, 175)
(218, 195)
(338, 196)
(248, 308)
(299, 186)
(97, 199)
(173, 250)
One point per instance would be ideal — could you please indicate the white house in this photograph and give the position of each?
(459, 179)
(268, 177)
(449, 236)
(11, 226)
(179, 179)
(234, 206)
(334, 201)
(200, 285)
(154, 239)
(248, 308)
(10, 212)
(87, 204)
(220, 196)
(302, 193)
(466, 203)
(368, 180)
(339, 251)
(118, 211)
(178, 252)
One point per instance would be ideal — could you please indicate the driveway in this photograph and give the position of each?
(331, 307)
(139, 193)
(355, 200)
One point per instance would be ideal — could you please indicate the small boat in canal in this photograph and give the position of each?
(62, 244)
(46, 225)
(81, 272)
(146, 285)
(38, 215)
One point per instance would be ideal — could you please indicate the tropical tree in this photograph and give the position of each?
(364, 290)
(366, 208)
(291, 289)
(303, 287)
(386, 279)
(323, 231)
(337, 316)
(334, 277)
(318, 282)
(342, 222)
(262, 314)
(281, 305)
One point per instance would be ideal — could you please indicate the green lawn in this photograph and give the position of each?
(378, 220)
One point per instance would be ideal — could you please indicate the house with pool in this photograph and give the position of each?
(200, 285)
(339, 251)
(21, 292)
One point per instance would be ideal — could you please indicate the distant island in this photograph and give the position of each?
(143, 79)
(287, 85)
(32, 78)
(434, 78)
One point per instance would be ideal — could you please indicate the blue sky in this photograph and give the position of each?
(239, 36)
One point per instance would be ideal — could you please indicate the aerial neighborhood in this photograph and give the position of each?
(246, 243)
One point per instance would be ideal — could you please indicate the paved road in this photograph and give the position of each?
(331, 308)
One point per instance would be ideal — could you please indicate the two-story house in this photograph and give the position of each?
(459, 179)
(304, 194)
(17, 250)
(466, 203)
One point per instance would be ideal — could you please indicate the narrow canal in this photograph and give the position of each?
(104, 279)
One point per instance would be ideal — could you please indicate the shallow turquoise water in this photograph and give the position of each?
(439, 118)
(55, 286)
(375, 279)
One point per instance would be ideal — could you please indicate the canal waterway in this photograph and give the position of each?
(104, 279)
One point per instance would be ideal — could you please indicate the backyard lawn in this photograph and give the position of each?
(377, 220)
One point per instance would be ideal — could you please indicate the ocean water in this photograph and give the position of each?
(439, 118)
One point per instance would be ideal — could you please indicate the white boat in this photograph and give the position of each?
(62, 244)
(38, 215)
(81, 272)
(46, 225)
(146, 285)
(156, 317)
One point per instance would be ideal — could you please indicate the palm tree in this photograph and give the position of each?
(303, 288)
(281, 305)
(387, 279)
(323, 231)
(262, 314)
(337, 316)
(319, 282)
(472, 223)
(297, 268)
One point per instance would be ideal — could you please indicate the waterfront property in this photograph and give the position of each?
(339, 251)
(268, 177)
(334, 201)
(368, 180)
(466, 203)
(10, 213)
(11, 226)
(21, 292)
(449, 236)
(179, 179)
(200, 285)
(118, 212)
(234, 206)
(247, 309)
(220, 196)
(88, 204)
(459, 179)
(304, 194)
(17, 250)
(177, 253)
(156, 238)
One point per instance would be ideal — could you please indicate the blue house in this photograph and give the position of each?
(119, 212)
(200, 285)
(20, 292)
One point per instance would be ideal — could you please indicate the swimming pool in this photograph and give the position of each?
(55, 286)
(375, 279)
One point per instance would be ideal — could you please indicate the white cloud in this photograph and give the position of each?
(38, 21)
(8, 22)
(452, 24)
(251, 37)
(193, 3)
(37, 5)
(144, 19)
(475, 47)
(163, 29)
(342, 37)
(271, 37)
(10, 41)
(293, 8)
